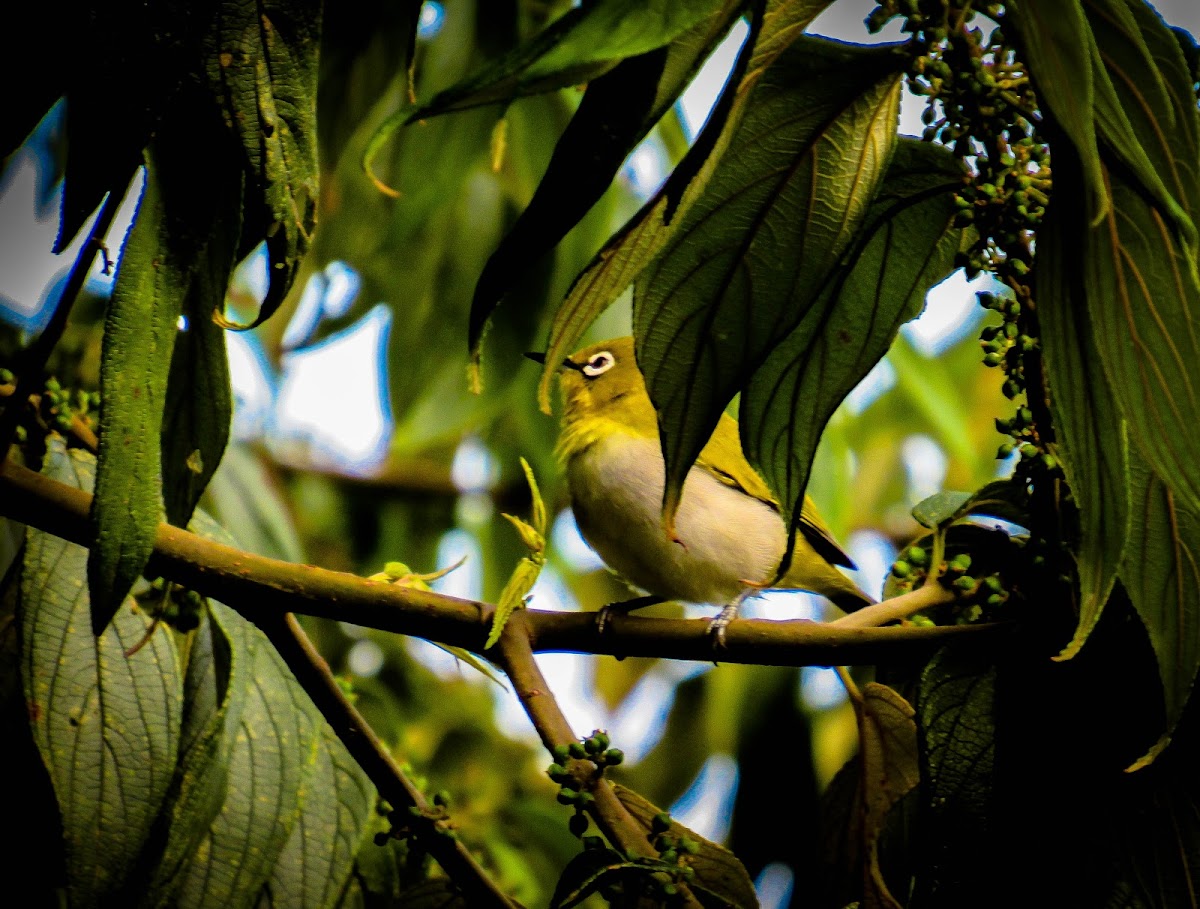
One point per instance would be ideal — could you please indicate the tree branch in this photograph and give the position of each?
(925, 597)
(312, 672)
(257, 586)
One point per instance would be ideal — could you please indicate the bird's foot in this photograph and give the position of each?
(623, 607)
(716, 628)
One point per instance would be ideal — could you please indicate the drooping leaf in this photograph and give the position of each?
(107, 724)
(1161, 573)
(889, 767)
(628, 252)
(750, 256)
(718, 870)
(199, 403)
(1093, 444)
(956, 702)
(941, 508)
(907, 246)
(584, 875)
(581, 45)
(1055, 40)
(261, 60)
(139, 334)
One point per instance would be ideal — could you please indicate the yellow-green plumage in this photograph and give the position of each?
(729, 534)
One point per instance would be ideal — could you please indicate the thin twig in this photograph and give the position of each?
(313, 674)
(610, 815)
(240, 579)
(925, 597)
(30, 362)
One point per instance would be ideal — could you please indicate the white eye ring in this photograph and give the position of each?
(598, 363)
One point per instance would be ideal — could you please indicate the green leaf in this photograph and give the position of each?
(261, 60)
(1146, 114)
(906, 247)
(749, 259)
(581, 45)
(584, 875)
(1093, 444)
(139, 333)
(319, 856)
(718, 870)
(956, 703)
(633, 248)
(107, 724)
(1161, 573)
(1062, 62)
(270, 779)
(941, 508)
(214, 690)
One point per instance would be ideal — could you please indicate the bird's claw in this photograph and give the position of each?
(716, 628)
(622, 607)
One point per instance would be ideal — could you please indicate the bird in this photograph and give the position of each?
(729, 533)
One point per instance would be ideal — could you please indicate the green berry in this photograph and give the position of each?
(1005, 450)
(614, 756)
(578, 824)
(661, 822)
(6, 377)
(992, 359)
(441, 798)
(995, 599)
(561, 753)
(993, 583)
(916, 555)
(966, 582)
(901, 569)
(689, 845)
(52, 384)
(567, 796)
(577, 750)
(593, 843)
(1028, 450)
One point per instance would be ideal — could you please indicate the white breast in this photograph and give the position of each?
(728, 537)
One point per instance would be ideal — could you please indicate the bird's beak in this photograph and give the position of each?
(539, 357)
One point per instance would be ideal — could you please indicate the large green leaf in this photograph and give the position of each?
(139, 333)
(618, 109)
(1146, 115)
(625, 255)
(907, 245)
(1161, 573)
(580, 45)
(1092, 438)
(261, 59)
(215, 688)
(748, 262)
(106, 723)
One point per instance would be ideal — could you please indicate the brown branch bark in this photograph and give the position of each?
(257, 586)
(313, 674)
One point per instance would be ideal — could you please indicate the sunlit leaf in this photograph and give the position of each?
(1161, 573)
(907, 246)
(940, 508)
(749, 258)
(580, 45)
(139, 334)
(107, 724)
(717, 869)
(262, 68)
(1093, 443)
(628, 252)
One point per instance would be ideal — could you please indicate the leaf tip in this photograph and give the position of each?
(1152, 755)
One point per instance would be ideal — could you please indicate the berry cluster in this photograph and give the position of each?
(573, 782)
(979, 596)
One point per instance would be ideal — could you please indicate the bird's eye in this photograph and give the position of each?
(598, 363)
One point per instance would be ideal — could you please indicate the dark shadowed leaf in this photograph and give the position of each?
(1161, 573)
(616, 112)
(888, 764)
(750, 256)
(955, 707)
(584, 875)
(262, 68)
(580, 45)
(1093, 443)
(438, 893)
(718, 870)
(108, 727)
(907, 246)
(625, 255)
(139, 333)
(199, 404)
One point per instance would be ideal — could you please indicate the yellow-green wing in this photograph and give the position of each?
(723, 458)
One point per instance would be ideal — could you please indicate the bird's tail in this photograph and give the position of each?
(850, 601)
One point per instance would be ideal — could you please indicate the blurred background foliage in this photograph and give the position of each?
(358, 442)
